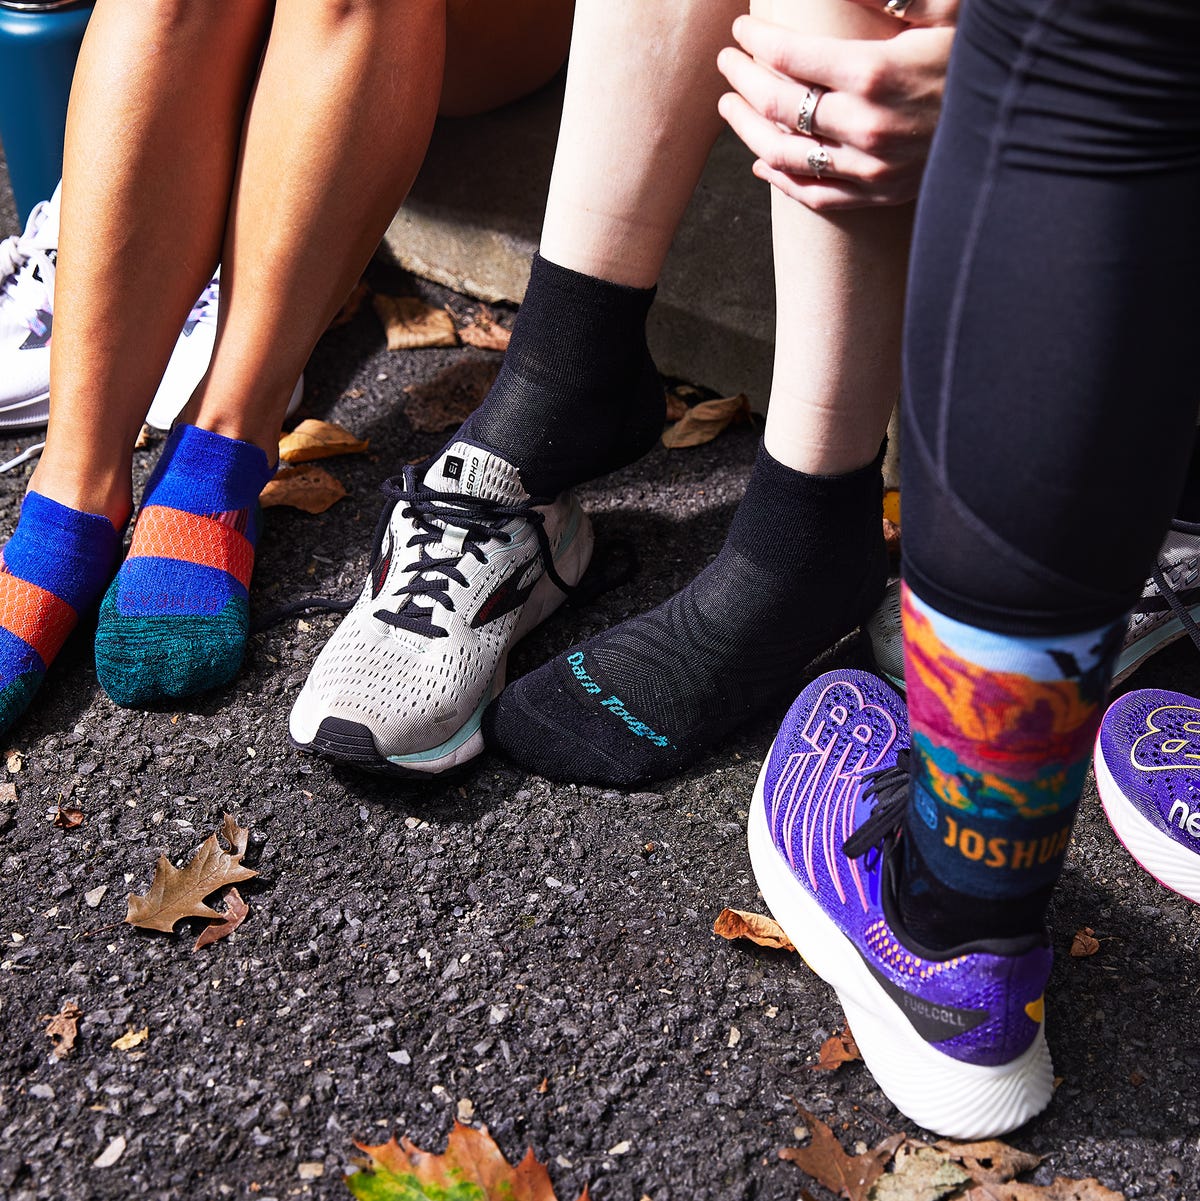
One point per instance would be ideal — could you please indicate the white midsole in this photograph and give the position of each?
(954, 1099)
(1173, 866)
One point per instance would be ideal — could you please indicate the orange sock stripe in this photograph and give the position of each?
(163, 533)
(34, 615)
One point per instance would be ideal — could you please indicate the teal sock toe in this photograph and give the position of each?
(142, 661)
(16, 697)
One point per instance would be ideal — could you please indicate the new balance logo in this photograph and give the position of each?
(1186, 819)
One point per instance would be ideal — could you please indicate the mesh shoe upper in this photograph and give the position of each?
(823, 780)
(456, 559)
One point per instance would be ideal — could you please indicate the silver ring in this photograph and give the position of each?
(896, 8)
(819, 161)
(808, 108)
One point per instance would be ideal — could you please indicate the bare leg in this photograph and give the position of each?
(313, 193)
(639, 120)
(141, 223)
(839, 299)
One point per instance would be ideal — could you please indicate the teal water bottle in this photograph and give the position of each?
(39, 42)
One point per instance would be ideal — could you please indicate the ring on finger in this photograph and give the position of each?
(896, 8)
(819, 161)
(808, 108)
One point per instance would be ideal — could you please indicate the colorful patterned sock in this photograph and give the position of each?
(1002, 731)
(54, 567)
(176, 618)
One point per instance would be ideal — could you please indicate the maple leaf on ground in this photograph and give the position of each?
(757, 927)
(850, 1176)
(63, 1028)
(835, 1051)
(411, 324)
(235, 913)
(311, 489)
(176, 893)
(703, 422)
(313, 439)
(472, 1168)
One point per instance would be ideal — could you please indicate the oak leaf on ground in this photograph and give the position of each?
(447, 400)
(411, 324)
(835, 1051)
(236, 910)
(703, 422)
(758, 928)
(1061, 1189)
(313, 439)
(176, 893)
(311, 489)
(484, 333)
(63, 1028)
(849, 1176)
(991, 1162)
(472, 1168)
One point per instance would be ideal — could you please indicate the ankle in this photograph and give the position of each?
(108, 493)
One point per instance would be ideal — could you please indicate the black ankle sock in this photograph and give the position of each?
(578, 395)
(942, 918)
(803, 564)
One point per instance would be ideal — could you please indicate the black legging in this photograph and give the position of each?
(1052, 374)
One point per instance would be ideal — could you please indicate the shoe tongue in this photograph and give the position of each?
(466, 470)
(45, 236)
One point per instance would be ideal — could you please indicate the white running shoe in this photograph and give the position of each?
(190, 358)
(1169, 601)
(465, 564)
(27, 263)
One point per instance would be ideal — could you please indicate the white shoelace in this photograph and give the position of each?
(26, 269)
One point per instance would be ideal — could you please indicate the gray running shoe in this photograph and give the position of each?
(466, 563)
(1169, 610)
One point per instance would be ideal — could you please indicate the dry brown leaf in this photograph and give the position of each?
(991, 1162)
(411, 324)
(835, 1051)
(131, 1039)
(447, 400)
(313, 439)
(676, 406)
(311, 489)
(703, 422)
(758, 928)
(143, 438)
(235, 913)
(14, 761)
(8, 791)
(850, 1176)
(483, 332)
(1061, 1189)
(1084, 943)
(920, 1173)
(472, 1165)
(350, 307)
(66, 819)
(176, 893)
(63, 1028)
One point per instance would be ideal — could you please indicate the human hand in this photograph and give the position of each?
(877, 104)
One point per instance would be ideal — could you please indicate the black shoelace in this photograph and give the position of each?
(889, 786)
(433, 513)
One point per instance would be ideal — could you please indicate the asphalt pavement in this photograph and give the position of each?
(538, 956)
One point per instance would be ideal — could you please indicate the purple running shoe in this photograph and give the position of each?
(1148, 776)
(955, 1039)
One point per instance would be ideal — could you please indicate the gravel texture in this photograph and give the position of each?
(536, 954)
